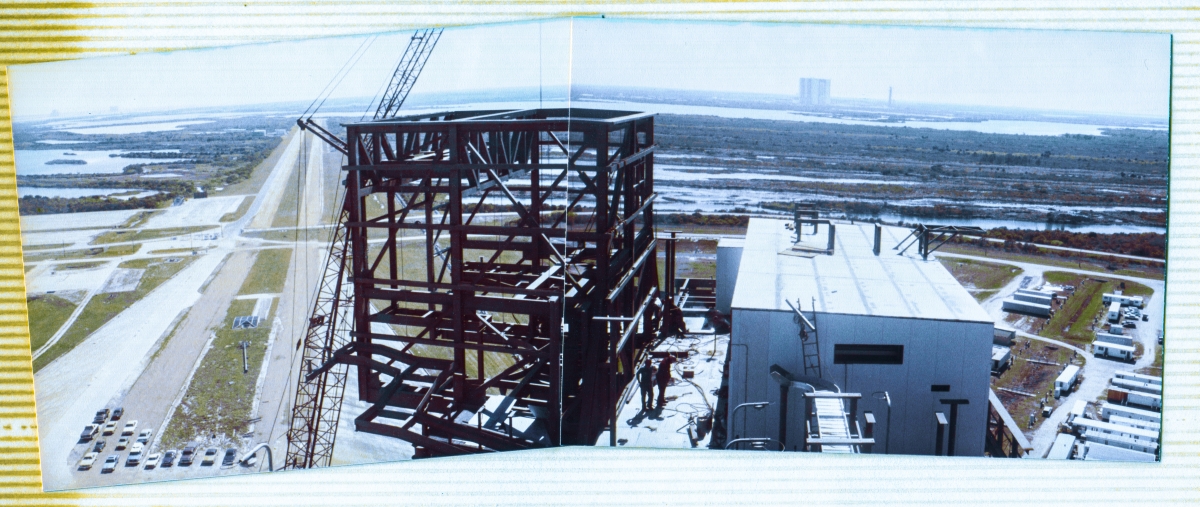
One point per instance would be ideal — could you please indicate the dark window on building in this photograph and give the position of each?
(940, 388)
(868, 354)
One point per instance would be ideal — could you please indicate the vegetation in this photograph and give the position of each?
(1148, 244)
(218, 400)
(47, 313)
(139, 219)
(269, 272)
(1074, 322)
(1031, 254)
(241, 210)
(40, 205)
(86, 253)
(148, 234)
(103, 307)
(980, 275)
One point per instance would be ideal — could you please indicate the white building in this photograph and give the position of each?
(884, 323)
(814, 92)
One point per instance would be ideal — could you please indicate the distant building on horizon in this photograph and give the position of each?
(814, 92)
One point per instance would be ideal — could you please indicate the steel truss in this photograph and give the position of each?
(504, 275)
(929, 238)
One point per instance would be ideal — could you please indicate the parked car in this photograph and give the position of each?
(99, 445)
(168, 459)
(89, 432)
(210, 457)
(189, 454)
(110, 464)
(137, 447)
(144, 436)
(229, 459)
(130, 428)
(109, 428)
(101, 416)
(152, 461)
(133, 459)
(250, 460)
(88, 460)
(116, 415)
(122, 443)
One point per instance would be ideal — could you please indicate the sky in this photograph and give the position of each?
(1083, 72)
(1089, 72)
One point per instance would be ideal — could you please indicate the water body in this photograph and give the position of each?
(1033, 128)
(684, 173)
(62, 141)
(137, 128)
(689, 199)
(1030, 128)
(33, 162)
(24, 191)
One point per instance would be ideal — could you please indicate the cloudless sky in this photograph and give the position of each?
(1087, 72)
(1095, 72)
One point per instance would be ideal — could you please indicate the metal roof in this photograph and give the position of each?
(851, 281)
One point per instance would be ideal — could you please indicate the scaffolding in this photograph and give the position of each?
(503, 275)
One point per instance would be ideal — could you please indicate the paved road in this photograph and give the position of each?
(1096, 372)
(112, 366)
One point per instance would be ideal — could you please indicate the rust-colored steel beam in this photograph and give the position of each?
(510, 240)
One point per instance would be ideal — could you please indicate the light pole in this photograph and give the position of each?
(888, 432)
(756, 405)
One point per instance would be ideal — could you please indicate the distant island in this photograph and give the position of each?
(64, 161)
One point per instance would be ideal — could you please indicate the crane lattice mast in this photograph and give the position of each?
(319, 392)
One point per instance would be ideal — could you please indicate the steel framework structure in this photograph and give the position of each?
(504, 279)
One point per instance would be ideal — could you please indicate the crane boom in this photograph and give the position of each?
(407, 72)
(322, 381)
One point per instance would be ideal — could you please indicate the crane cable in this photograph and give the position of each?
(339, 76)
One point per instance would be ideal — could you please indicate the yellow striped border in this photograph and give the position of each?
(38, 31)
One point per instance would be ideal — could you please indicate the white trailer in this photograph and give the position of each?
(1129, 397)
(1025, 307)
(1116, 329)
(1134, 423)
(1064, 445)
(1114, 311)
(1094, 451)
(1045, 293)
(1000, 357)
(1115, 338)
(1112, 350)
(1137, 385)
(1003, 336)
(1066, 381)
(1119, 440)
(1032, 298)
(1123, 300)
(1108, 410)
(1138, 377)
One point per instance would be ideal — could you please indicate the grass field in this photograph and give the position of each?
(1051, 259)
(981, 279)
(321, 234)
(220, 396)
(285, 215)
(139, 218)
(148, 234)
(47, 313)
(240, 211)
(85, 253)
(1073, 322)
(103, 307)
(269, 272)
(185, 251)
